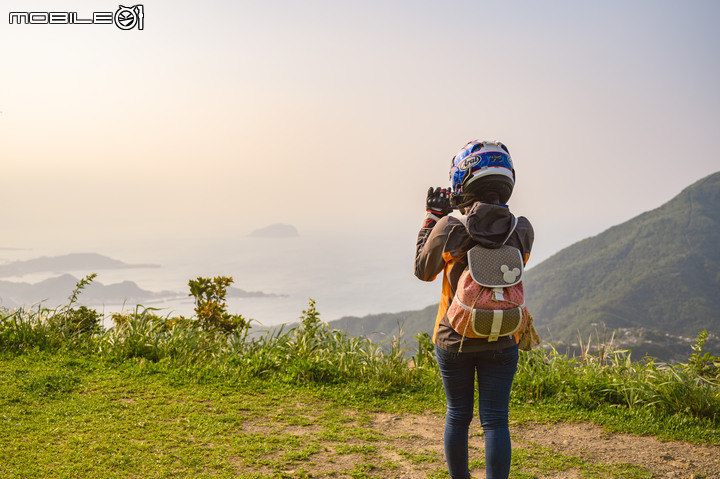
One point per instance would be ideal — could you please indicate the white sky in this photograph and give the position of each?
(222, 117)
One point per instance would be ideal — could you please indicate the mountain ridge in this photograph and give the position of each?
(64, 263)
(657, 269)
(55, 291)
(658, 272)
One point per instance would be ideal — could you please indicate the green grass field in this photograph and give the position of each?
(175, 397)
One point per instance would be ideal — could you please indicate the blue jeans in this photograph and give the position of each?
(495, 371)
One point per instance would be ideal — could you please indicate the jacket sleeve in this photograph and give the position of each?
(429, 259)
(526, 236)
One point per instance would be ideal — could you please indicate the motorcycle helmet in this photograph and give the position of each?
(482, 166)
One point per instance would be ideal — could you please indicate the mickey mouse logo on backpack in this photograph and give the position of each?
(509, 275)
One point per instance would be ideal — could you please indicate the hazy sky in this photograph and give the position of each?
(221, 117)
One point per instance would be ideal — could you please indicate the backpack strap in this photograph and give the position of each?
(512, 230)
(496, 325)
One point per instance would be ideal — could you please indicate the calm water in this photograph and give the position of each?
(345, 276)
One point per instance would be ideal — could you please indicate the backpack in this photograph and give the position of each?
(489, 301)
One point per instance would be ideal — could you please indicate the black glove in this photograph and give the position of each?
(438, 201)
(437, 205)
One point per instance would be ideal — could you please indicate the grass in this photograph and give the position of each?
(646, 397)
(69, 415)
(536, 461)
(136, 419)
(161, 397)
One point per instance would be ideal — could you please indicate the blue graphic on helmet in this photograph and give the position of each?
(479, 159)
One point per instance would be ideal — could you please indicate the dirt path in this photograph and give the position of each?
(673, 459)
(410, 446)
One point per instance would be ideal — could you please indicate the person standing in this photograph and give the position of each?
(483, 179)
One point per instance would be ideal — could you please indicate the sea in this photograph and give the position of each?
(344, 275)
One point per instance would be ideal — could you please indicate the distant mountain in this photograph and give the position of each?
(233, 292)
(659, 270)
(383, 327)
(276, 231)
(655, 279)
(65, 263)
(54, 292)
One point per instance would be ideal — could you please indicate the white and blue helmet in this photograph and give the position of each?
(483, 166)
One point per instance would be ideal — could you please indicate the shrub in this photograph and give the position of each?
(703, 365)
(76, 321)
(210, 307)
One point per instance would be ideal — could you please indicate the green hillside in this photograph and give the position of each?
(386, 326)
(659, 270)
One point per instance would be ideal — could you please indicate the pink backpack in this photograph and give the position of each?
(489, 301)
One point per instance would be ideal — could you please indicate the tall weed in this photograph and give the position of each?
(312, 353)
(610, 378)
(22, 330)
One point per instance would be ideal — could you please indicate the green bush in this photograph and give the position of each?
(76, 321)
(702, 364)
(210, 307)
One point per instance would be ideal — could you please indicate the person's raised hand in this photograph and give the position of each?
(437, 205)
(438, 201)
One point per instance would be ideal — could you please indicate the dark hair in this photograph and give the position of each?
(488, 196)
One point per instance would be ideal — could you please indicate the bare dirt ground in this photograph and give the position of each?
(672, 459)
(414, 445)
